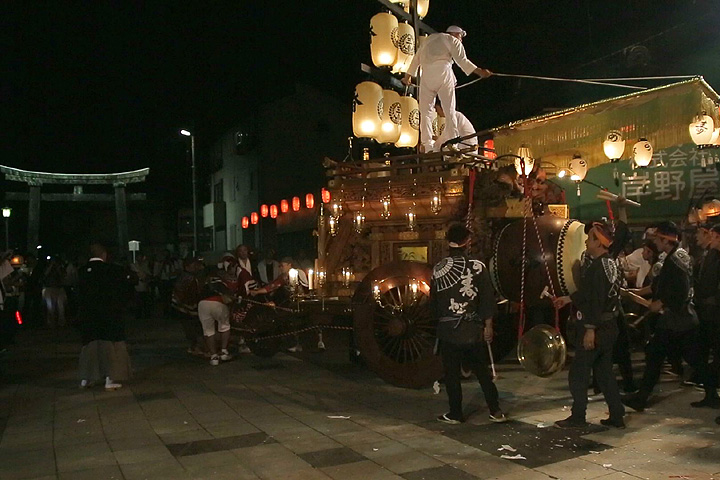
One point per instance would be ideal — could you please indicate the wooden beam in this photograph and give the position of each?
(71, 197)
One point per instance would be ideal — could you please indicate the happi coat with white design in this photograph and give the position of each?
(597, 299)
(675, 291)
(460, 287)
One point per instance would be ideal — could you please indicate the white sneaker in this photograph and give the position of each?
(296, 349)
(84, 384)
(225, 355)
(244, 349)
(110, 385)
(214, 360)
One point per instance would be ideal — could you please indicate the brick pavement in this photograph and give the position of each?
(315, 416)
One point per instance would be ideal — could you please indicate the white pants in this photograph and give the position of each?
(211, 313)
(436, 82)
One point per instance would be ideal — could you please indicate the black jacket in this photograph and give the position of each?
(102, 294)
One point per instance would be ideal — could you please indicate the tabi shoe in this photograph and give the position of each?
(296, 349)
(321, 346)
(244, 349)
(110, 385)
(498, 417)
(613, 422)
(84, 384)
(707, 402)
(635, 402)
(446, 418)
(214, 360)
(571, 422)
(225, 355)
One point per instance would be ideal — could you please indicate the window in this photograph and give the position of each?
(218, 192)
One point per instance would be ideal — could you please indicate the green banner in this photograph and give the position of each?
(676, 179)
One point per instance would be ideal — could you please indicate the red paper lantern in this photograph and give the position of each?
(296, 204)
(264, 211)
(284, 207)
(325, 194)
(310, 200)
(245, 222)
(254, 218)
(489, 143)
(273, 211)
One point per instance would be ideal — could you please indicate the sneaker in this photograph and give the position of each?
(446, 418)
(611, 422)
(84, 384)
(214, 360)
(244, 349)
(707, 402)
(225, 355)
(571, 422)
(321, 345)
(498, 417)
(110, 385)
(296, 349)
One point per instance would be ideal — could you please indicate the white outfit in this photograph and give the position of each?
(211, 312)
(464, 127)
(245, 265)
(436, 57)
(636, 261)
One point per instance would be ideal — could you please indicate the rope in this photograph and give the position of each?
(287, 334)
(526, 191)
(270, 305)
(555, 79)
(628, 79)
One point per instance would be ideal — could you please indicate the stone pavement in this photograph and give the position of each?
(316, 416)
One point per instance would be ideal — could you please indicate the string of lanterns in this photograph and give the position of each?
(273, 211)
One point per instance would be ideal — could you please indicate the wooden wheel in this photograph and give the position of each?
(394, 328)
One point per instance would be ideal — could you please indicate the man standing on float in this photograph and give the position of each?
(436, 57)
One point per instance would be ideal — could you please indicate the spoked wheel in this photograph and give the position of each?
(394, 328)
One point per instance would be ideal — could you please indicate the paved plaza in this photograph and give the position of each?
(316, 416)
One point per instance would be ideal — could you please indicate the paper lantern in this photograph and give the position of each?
(702, 129)
(284, 206)
(367, 108)
(529, 161)
(325, 194)
(296, 204)
(245, 222)
(391, 118)
(614, 145)
(578, 169)
(642, 153)
(405, 44)
(273, 211)
(310, 200)
(410, 125)
(254, 218)
(489, 143)
(711, 208)
(438, 124)
(715, 140)
(383, 27)
(264, 211)
(422, 6)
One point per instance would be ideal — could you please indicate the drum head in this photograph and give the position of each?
(542, 351)
(571, 244)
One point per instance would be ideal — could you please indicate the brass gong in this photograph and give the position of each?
(542, 351)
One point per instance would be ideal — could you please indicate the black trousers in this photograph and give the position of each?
(664, 341)
(709, 337)
(476, 357)
(600, 361)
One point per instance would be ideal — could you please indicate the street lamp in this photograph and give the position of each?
(6, 215)
(194, 188)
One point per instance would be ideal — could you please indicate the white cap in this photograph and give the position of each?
(456, 29)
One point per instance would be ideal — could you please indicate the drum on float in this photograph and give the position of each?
(563, 242)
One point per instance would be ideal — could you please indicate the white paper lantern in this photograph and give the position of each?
(438, 124)
(391, 118)
(422, 6)
(715, 140)
(642, 153)
(578, 168)
(410, 126)
(382, 28)
(405, 44)
(701, 130)
(529, 161)
(367, 106)
(614, 145)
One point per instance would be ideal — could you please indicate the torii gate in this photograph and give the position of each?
(35, 180)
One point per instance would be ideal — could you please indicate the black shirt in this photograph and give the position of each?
(675, 290)
(599, 292)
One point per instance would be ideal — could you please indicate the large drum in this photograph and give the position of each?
(556, 256)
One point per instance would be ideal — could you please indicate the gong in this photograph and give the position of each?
(542, 351)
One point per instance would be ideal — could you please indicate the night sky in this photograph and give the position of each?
(105, 86)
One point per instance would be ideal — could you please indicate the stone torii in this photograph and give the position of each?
(35, 180)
